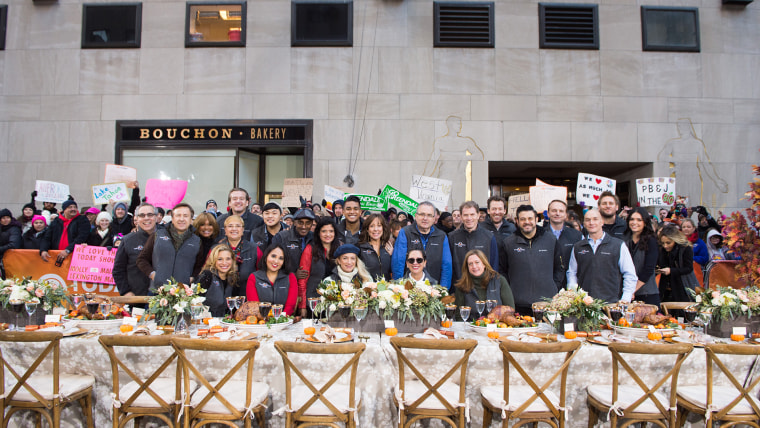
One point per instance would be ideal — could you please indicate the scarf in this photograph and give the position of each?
(347, 276)
(178, 238)
(236, 251)
(65, 234)
(693, 237)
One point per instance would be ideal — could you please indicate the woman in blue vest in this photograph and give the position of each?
(220, 279)
(480, 282)
(415, 264)
(273, 283)
(317, 260)
(375, 249)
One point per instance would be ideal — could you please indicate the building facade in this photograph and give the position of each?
(379, 97)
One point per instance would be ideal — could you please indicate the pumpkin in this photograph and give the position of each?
(392, 331)
(493, 334)
(446, 324)
(206, 320)
(125, 328)
(737, 337)
(309, 330)
(252, 319)
(654, 336)
(571, 335)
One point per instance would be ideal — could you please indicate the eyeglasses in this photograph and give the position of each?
(145, 215)
(412, 260)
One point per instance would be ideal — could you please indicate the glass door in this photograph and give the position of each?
(248, 173)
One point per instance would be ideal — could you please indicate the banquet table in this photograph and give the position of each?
(378, 372)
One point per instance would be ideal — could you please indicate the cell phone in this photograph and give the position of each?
(58, 262)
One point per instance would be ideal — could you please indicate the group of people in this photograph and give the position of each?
(254, 250)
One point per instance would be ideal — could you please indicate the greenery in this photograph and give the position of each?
(578, 304)
(50, 293)
(173, 299)
(743, 237)
(728, 303)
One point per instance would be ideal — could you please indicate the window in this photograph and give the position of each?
(322, 23)
(463, 24)
(215, 24)
(3, 24)
(568, 26)
(111, 25)
(670, 29)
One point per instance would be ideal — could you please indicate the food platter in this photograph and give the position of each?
(642, 333)
(259, 327)
(502, 331)
(95, 324)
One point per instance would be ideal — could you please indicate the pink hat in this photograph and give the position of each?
(92, 210)
(39, 217)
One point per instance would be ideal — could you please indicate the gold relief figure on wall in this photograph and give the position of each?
(452, 158)
(689, 162)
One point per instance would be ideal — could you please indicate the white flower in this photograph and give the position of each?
(699, 298)
(395, 305)
(183, 304)
(197, 300)
(333, 308)
(382, 304)
(177, 308)
(322, 299)
(346, 286)
(350, 301)
(744, 308)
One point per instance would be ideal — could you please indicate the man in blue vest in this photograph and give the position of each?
(601, 264)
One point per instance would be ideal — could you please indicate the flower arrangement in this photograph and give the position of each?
(405, 298)
(728, 303)
(577, 303)
(51, 294)
(173, 300)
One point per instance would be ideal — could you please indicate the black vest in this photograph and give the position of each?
(462, 241)
(531, 267)
(277, 293)
(639, 256)
(170, 263)
(378, 265)
(598, 273)
(319, 270)
(433, 250)
(216, 296)
(493, 292)
(249, 259)
(292, 243)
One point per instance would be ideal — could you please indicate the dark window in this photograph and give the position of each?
(215, 24)
(322, 23)
(670, 28)
(568, 26)
(111, 25)
(463, 24)
(3, 24)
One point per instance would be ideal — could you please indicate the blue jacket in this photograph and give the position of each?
(398, 259)
(701, 255)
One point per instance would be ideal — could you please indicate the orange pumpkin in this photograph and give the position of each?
(571, 335)
(309, 330)
(125, 328)
(392, 331)
(251, 319)
(493, 334)
(446, 324)
(206, 320)
(737, 337)
(654, 336)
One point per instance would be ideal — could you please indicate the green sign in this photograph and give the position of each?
(400, 200)
(371, 202)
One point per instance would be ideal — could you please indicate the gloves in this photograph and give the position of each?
(34, 194)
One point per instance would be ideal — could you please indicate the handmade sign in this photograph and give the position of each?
(332, 194)
(399, 200)
(656, 191)
(91, 263)
(104, 193)
(372, 202)
(120, 174)
(27, 263)
(293, 188)
(541, 196)
(431, 189)
(590, 187)
(50, 191)
(165, 193)
(515, 201)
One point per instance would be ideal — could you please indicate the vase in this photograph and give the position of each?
(579, 324)
(719, 327)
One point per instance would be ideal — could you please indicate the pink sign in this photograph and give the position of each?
(165, 193)
(92, 264)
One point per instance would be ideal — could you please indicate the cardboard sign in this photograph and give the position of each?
(295, 187)
(165, 193)
(590, 187)
(399, 200)
(50, 191)
(104, 193)
(120, 174)
(434, 190)
(332, 194)
(515, 201)
(91, 264)
(656, 191)
(372, 202)
(27, 263)
(541, 196)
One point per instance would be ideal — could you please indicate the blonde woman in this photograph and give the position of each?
(219, 277)
(675, 266)
(349, 266)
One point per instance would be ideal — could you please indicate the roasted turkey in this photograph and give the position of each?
(248, 309)
(641, 310)
(501, 312)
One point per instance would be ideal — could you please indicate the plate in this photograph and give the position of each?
(679, 339)
(95, 324)
(74, 331)
(598, 340)
(259, 327)
(340, 337)
(641, 332)
(502, 331)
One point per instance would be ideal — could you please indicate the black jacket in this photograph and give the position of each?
(616, 229)
(378, 265)
(95, 239)
(260, 237)
(78, 231)
(33, 240)
(567, 238)
(345, 235)
(506, 229)
(292, 243)
(127, 276)
(531, 266)
(126, 224)
(250, 222)
(10, 236)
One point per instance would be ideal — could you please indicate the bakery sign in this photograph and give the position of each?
(212, 133)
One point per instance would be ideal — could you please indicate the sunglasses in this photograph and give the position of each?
(412, 260)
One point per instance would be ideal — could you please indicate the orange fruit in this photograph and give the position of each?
(654, 336)
(571, 335)
(493, 334)
(206, 320)
(737, 337)
(446, 324)
(309, 330)
(125, 328)
(262, 322)
(251, 319)
(391, 331)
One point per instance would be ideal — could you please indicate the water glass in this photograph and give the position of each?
(630, 317)
(76, 299)
(480, 305)
(313, 302)
(464, 312)
(360, 312)
(231, 304)
(196, 311)
(276, 311)
(105, 309)
(552, 316)
(31, 307)
(490, 304)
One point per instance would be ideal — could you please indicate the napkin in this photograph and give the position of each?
(432, 333)
(325, 335)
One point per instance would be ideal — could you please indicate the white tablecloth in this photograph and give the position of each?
(378, 372)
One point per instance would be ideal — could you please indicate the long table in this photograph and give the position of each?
(378, 372)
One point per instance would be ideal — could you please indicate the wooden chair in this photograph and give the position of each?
(731, 405)
(223, 402)
(418, 397)
(532, 403)
(156, 396)
(329, 404)
(45, 394)
(669, 306)
(626, 403)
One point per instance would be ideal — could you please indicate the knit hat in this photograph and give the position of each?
(27, 205)
(39, 217)
(120, 204)
(67, 204)
(211, 201)
(338, 202)
(346, 249)
(5, 212)
(271, 206)
(103, 215)
(92, 210)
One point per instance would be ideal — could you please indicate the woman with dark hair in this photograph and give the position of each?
(480, 282)
(642, 245)
(33, 236)
(246, 254)
(676, 266)
(416, 261)
(273, 283)
(10, 233)
(689, 229)
(27, 213)
(316, 260)
(207, 229)
(375, 248)
(219, 277)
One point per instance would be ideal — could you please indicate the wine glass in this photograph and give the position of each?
(313, 302)
(451, 312)
(480, 305)
(105, 308)
(17, 306)
(240, 301)
(360, 312)
(706, 317)
(196, 310)
(552, 316)
(31, 307)
(231, 304)
(538, 311)
(345, 311)
(464, 312)
(76, 299)
(490, 304)
(276, 311)
(264, 308)
(92, 307)
(690, 314)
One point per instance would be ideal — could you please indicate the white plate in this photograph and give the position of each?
(96, 324)
(259, 327)
(640, 332)
(502, 331)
